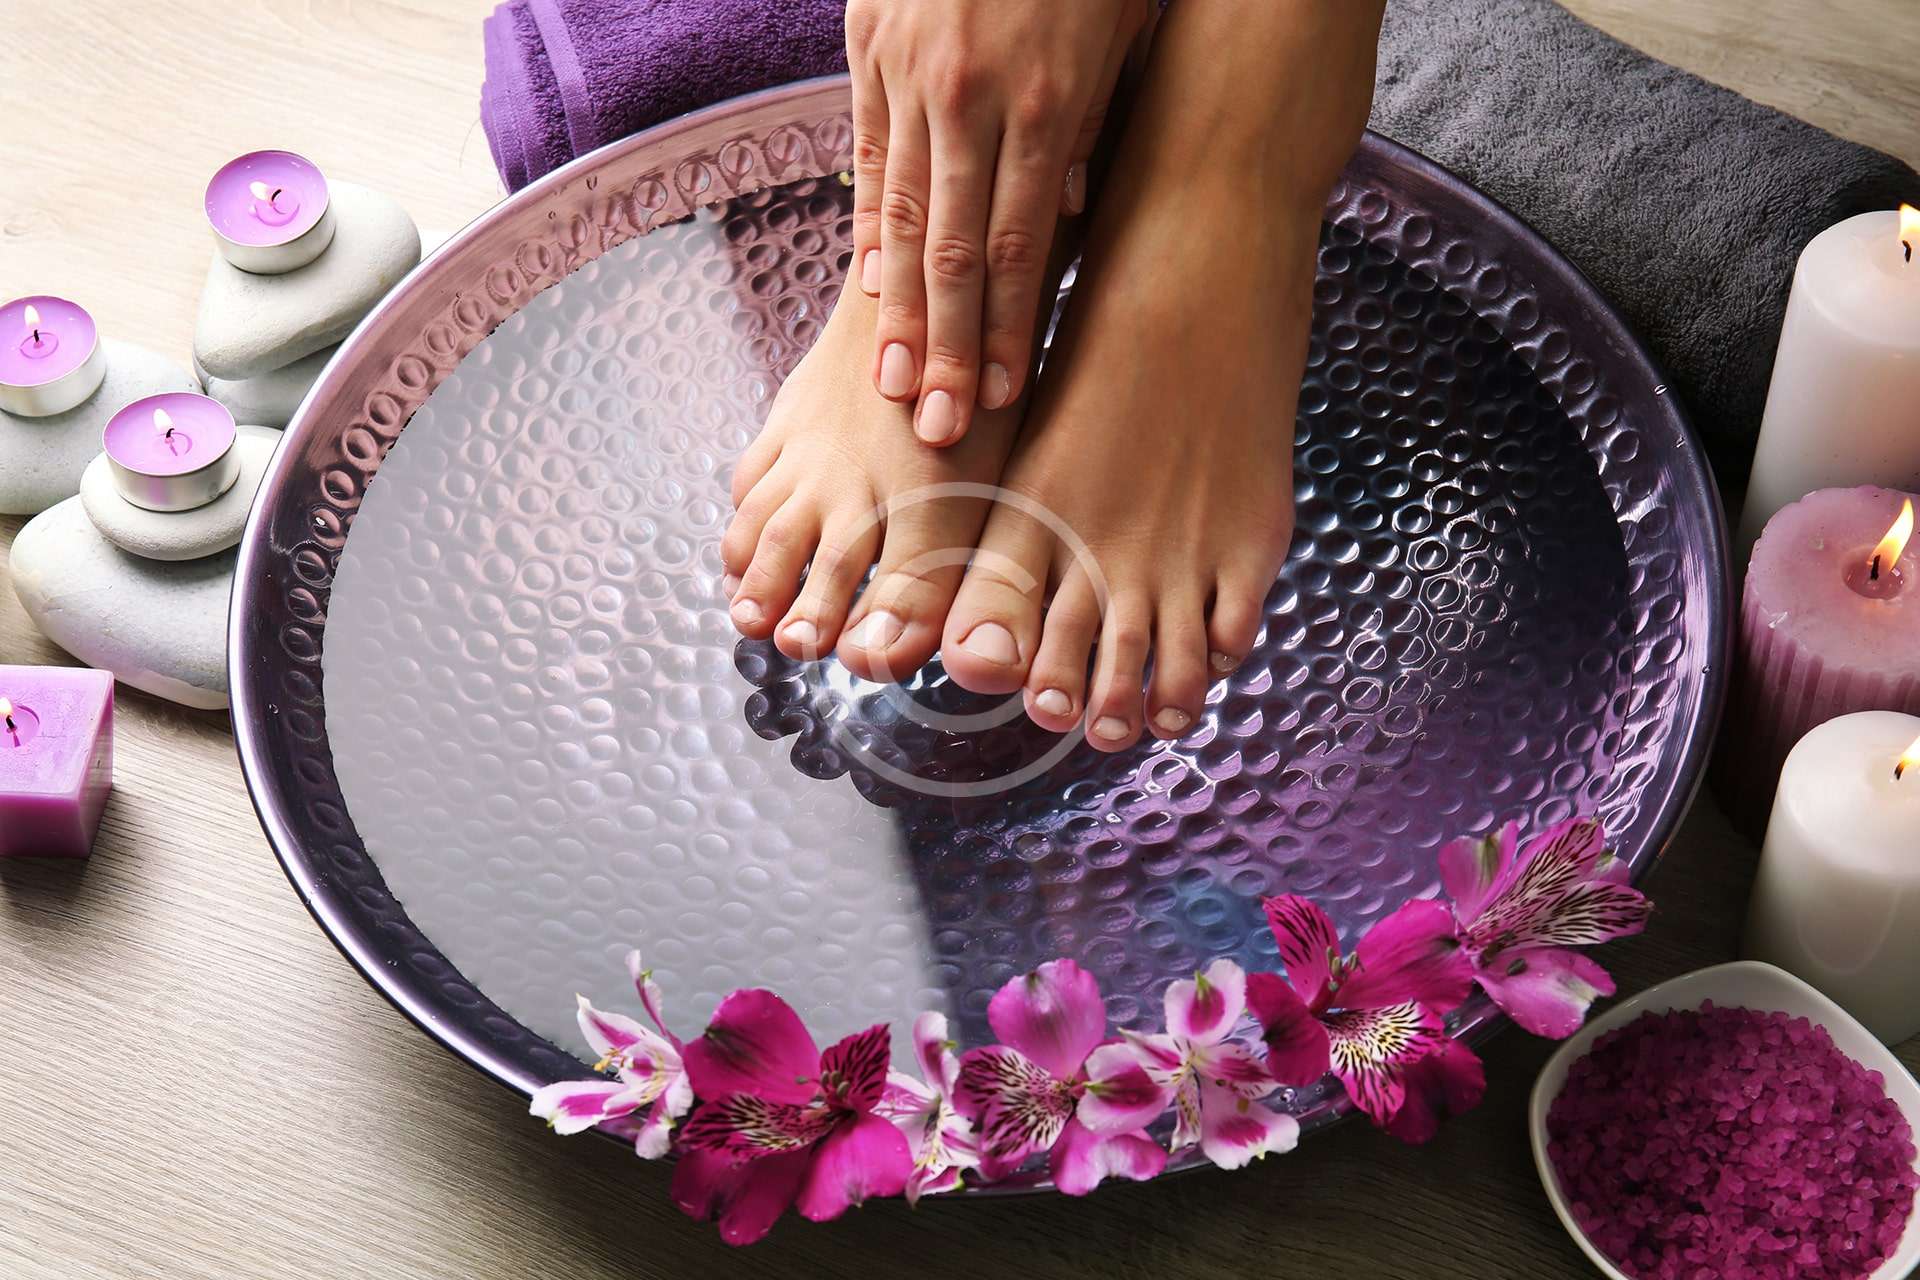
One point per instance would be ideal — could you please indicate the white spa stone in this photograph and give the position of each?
(253, 324)
(270, 398)
(179, 535)
(158, 626)
(41, 459)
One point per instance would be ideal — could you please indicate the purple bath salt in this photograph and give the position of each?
(1728, 1142)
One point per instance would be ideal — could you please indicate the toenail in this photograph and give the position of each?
(729, 585)
(996, 386)
(896, 371)
(1053, 702)
(938, 420)
(746, 612)
(870, 272)
(802, 633)
(1220, 662)
(1172, 720)
(1076, 192)
(993, 643)
(877, 630)
(1111, 728)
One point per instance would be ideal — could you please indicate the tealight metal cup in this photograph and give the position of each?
(278, 259)
(56, 395)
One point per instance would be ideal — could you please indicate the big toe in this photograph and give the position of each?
(993, 629)
(894, 627)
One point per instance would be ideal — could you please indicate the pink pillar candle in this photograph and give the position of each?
(172, 452)
(270, 212)
(56, 759)
(50, 357)
(1830, 624)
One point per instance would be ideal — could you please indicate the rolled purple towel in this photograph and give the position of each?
(565, 76)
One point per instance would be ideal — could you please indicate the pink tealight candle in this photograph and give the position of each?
(172, 452)
(1830, 624)
(56, 759)
(50, 356)
(270, 211)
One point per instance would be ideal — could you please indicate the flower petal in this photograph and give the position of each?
(747, 1198)
(1205, 1008)
(1470, 870)
(854, 1071)
(1445, 1083)
(650, 998)
(1017, 1107)
(934, 1052)
(755, 1044)
(1371, 1049)
(1081, 1159)
(1545, 990)
(931, 1182)
(862, 1158)
(610, 1035)
(1412, 955)
(1120, 1093)
(1053, 1015)
(746, 1126)
(574, 1105)
(1568, 892)
(1308, 942)
(1233, 1066)
(905, 1099)
(1298, 1051)
(1235, 1129)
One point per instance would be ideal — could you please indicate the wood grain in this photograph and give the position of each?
(193, 1083)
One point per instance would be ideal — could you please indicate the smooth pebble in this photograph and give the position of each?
(179, 535)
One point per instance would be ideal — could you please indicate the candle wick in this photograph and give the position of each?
(1873, 570)
(36, 337)
(1907, 245)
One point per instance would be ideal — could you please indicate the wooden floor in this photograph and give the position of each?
(194, 1084)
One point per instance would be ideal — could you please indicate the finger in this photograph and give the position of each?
(956, 277)
(1019, 231)
(903, 244)
(869, 172)
(1093, 121)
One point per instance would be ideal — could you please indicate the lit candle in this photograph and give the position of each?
(50, 356)
(1844, 404)
(270, 212)
(172, 452)
(1837, 898)
(56, 759)
(1829, 623)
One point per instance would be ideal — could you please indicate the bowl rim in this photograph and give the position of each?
(1690, 991)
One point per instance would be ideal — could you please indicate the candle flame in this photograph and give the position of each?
(162, 422)
(32, 316)
(1909, 229)
(260, 191)
(6, 710)
(1888, 552)
(1908, 759)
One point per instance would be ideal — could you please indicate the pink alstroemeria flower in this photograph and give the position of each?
(940, 1138)
(1215, 1081)
(1518, 916)
(1369, 1016)
(647, 1065)
(781, 1123)
(1031, 1092)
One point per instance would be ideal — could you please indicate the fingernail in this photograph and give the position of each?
(996, 386)
(993, 643)
(729, 585)
(1220, 662)
(1171, 720)
(938, 418)
(877, 630)
(746, 612)
(870, 272)
(1053, 702)
(1076, 188)
(802, 633)
(896, 370)
(1110, 728)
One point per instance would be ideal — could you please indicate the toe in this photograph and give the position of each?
(895, 626)
(1234, 621)
(1179, 685)
(755, 461)
(994, 627)
(1057, 682)
(1114, 707)
(812, 626)
(772, 578)
(750, 516)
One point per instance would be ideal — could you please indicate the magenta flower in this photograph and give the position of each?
(1369, 1016)
(781, 1123)
(1032, 1091)
(1517, 917)
(1215, 1081)
(940, 1138)
(647, 1066)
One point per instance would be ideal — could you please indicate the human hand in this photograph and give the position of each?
(973, 122)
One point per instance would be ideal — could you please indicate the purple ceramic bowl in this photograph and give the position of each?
(1507, 597)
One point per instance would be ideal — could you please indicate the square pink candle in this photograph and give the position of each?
(56, 759)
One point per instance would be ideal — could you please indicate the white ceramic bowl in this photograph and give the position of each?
(1748, 984)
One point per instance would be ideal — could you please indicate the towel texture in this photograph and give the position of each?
(1685, 202)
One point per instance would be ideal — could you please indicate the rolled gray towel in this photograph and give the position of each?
(1686, 203)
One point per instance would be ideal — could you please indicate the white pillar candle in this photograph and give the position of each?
(1844, 405)
(1837, 900)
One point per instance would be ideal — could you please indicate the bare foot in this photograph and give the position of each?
(837, 481)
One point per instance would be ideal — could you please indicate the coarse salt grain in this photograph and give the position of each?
(1729, 1142)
